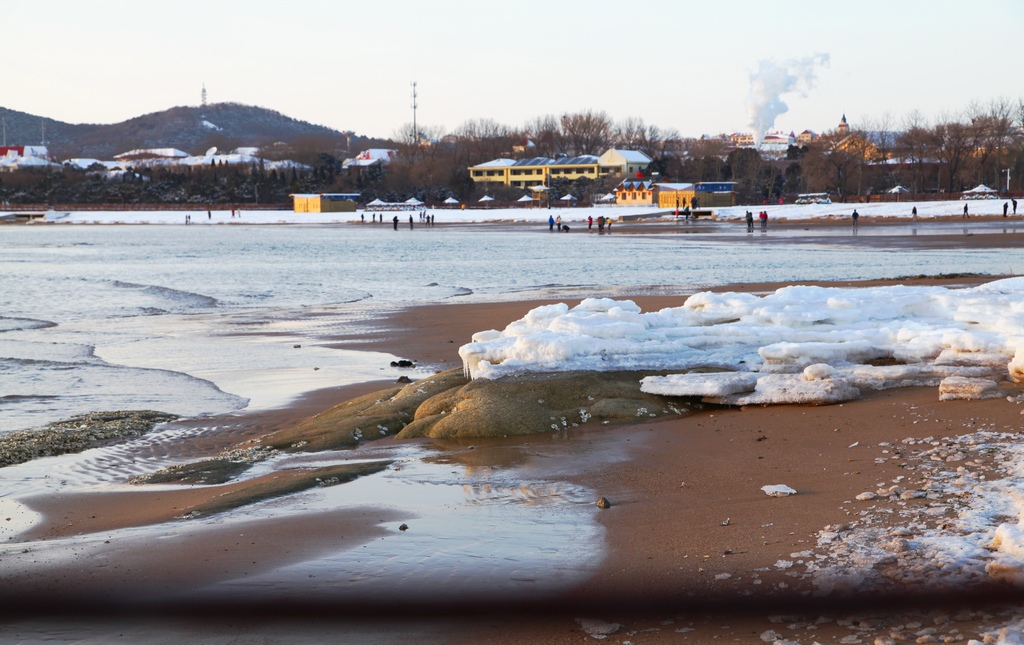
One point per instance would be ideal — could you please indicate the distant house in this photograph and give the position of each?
(524, 173)
(674, 195)
(523, 146)
(776, 142)
(24, 151)
(623, 162)
(151, 153)
(843, 127)
(806, 137)
(370, 157)
(15, 157)
(742, 139)
(324, 202)
(635, 192)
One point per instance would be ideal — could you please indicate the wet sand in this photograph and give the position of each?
(686, 506)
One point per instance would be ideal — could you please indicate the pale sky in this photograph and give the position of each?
(349, 65)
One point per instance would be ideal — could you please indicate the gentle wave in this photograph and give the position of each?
(19, 324)
(187, 298)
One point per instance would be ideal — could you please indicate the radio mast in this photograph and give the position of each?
(415, 131)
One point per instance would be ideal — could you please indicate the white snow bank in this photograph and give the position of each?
(798, 344)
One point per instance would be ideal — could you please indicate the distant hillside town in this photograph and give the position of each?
(229, 153)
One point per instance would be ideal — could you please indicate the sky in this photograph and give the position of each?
(676, 64)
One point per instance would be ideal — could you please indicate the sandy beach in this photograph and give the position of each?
(692, 545)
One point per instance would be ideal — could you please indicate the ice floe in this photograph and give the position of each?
(799, 344)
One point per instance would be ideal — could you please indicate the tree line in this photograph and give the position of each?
(983, 143)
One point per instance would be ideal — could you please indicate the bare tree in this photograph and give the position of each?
(955, 141)
(546, 135)
(630, 133)
(994, 134)
(913, 146)
(586, 133)
(828, 165)
(481, 140)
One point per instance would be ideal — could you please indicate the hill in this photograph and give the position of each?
(192, 129)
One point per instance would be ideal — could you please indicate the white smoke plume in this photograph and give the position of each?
(771, 81)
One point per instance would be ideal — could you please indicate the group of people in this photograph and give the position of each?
(555, 224)
(602, 222)
(209, 215)
(762, 216)
(424, 217)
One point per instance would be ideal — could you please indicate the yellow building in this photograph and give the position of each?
(675, 195)
(324, 202)
(643, 192)
(635, 192)
(524, 173)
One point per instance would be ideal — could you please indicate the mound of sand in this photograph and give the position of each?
(449, 405)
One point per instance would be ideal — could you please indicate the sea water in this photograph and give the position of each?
(205, 320)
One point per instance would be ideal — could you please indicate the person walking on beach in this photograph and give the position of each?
(855, 216)
(965, 212)
(763, 216)
(394, 220)
(551, 223)
(914, 212)
(750, 222)
(1014, 202)
(590, 222)
(410, 222)
(600, 223)
(1006, 207)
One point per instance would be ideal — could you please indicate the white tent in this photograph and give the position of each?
(568, 197)
(606, 198)
(525, 198)
(451, 200)
(539, 187)
(898, 190)
(981, 188)
(981, 191)
(412, 201)
(486, 198)
(376, 202)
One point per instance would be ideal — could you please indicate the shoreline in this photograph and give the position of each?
(676, 524)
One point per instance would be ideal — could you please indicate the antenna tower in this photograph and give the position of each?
(204, 95)
(415, 131)
(42, 127)
(4, 121)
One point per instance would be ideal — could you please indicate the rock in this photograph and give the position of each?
(403, 527)
(864, 497)
(403, 363)
(403, 379)
(604, 503)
